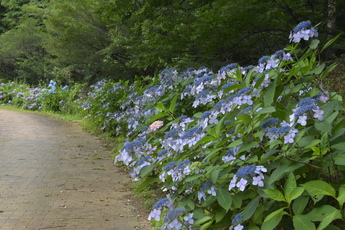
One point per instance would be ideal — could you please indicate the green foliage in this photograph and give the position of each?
(55, 98)
(89, 40)
(302, 168)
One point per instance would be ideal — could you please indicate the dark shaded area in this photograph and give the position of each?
(84, 41)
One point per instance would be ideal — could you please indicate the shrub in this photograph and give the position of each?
(259, 147)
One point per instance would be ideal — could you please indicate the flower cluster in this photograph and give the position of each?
(303, 30)
(249, 172)
(221, 132)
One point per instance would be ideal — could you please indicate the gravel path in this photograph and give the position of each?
(55, 176)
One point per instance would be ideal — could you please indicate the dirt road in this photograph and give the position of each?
(55, 176)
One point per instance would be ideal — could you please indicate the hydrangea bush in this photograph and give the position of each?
(257, 147)
(53, 98)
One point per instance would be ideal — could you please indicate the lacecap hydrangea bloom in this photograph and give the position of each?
(304, 31)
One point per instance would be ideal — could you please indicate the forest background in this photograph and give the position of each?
(82, 41)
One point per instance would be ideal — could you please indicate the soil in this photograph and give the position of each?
(53, 175)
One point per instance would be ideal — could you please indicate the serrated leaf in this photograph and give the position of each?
(269, 95)
(206, 225)
(247, 146)
(339, 159)
(341, 196)
(203, 220)
(173, 104)
(269, 109)
(157, 116)
(253, 227)
(233, 87)
(146, 170)
(145, 183)
(319, 213)
(329, 218)
(193, 177)
(323, 126)
(235, 143)
(319, 68)
(214, 175)
(219, 127)
(339, 146)
(301, 222)
(290, 185)
(224, 198)
(277, 173)
(274, 194)
(245, 118)
(219, 214)
(312, 143)
(250, 208)
(273, 219)
(330, 42)
(299, 205)
(297, 192)
(319, 187)
(160, 106)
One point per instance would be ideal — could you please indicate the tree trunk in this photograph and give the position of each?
(331, 24)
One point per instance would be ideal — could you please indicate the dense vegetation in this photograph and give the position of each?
(87, 40)
(256, 144)
(256, 147)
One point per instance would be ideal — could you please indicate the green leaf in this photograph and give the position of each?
(312, 143)
(332, 117)
(319, 213)
(247, 146)
(330, 42)
(146, 170)
(145, 183)
(341, 196)
(301, 222)
(339, 159)
(224, 198)
(193, 177)
(305, 141)
(250, 208)
(214, 175)
(160, 106)
(219, 214)
(314, 43)
(219, 127)
(339, 146)
(173, 104)
(278, 173)
(328, 70)
(299, 205)
(329, 218)
(319, 68)
(274, 194)
(245, 118)
(157, 116)
(206, 225)
(273, 219)
(253, 227)
(290, 184)
(249, 76)
(269, 109)
(235, 143)
(269, 95)
(319, 187)
(236, 201)
(233, 87)
(203, 220)
(297, 192)
(323, 126)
